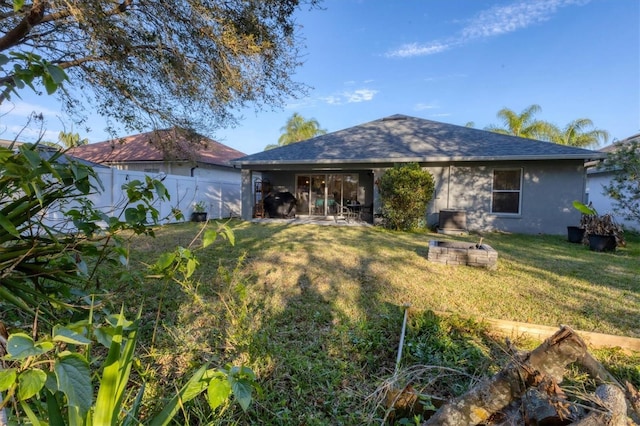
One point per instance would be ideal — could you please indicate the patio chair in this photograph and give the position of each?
(343, 212)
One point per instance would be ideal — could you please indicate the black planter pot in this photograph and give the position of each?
(199, 217)
(575, 234)
(602, 242)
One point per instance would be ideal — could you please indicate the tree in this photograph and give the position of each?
(624, 187)
(405, 191)
(71, 140)
(576, 134)
(187, 63)
(297, 129)
(522, 125)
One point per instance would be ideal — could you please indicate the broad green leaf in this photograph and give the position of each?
(103, 335)
(49, 84)
(30, 382)
(242, 392)
(45, 346)
(230, 235)
(209, 237)
(161, 190)
(218, 391)
(57, 74)
(63, 334)
(74, 380)
(191, 267)
(7, 378)
(20, 346)
(165, 260)
(584, 209)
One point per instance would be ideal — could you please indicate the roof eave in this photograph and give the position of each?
(591, 156)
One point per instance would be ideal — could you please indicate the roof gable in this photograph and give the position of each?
(401, 138)
(159, 145)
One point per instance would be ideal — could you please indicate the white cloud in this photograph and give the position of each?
(360, 95)
(332, 100)
(416, 49)
(422, 107)
(353, 96)
(495, 21)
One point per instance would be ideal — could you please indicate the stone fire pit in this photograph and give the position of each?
(462, 253)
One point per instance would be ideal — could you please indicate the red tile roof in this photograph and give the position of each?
(158, 145)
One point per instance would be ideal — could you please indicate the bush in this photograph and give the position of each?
(405, 191)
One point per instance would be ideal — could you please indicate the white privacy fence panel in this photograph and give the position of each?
(221, 198)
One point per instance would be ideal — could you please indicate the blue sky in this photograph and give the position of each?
(453, 61)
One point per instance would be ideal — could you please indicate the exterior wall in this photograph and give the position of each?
(548, 191)
(205, 171)
(603, 203)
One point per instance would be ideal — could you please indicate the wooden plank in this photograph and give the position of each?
(541, 332)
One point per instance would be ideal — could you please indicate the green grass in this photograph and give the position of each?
(316, 311)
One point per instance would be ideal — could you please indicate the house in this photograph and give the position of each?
(196, 170)
(599, 176)
(495, 181)
(169, 151)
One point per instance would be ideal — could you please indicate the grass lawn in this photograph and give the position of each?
(316, 311)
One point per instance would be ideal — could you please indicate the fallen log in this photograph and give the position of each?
(545, 366)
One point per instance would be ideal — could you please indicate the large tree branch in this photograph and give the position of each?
(32, 18)
(36, 15)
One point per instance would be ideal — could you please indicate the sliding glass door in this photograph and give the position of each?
(318, 194)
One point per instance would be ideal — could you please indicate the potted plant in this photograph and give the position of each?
(601, 232)
(575, 234)
(199, 213)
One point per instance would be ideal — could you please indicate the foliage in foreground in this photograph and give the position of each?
(53, 244)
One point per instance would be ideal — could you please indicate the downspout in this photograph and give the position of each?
(193, 170)
(449, 187)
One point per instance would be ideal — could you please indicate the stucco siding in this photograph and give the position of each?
(548, 190)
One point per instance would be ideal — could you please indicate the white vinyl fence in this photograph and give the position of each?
(221, 198)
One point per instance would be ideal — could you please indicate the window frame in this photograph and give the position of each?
(508, 191)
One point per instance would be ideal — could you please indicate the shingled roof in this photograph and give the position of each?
(159, 145)
(400, 138)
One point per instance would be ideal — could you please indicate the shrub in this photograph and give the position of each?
(405, 191)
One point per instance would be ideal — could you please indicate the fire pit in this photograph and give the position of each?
(462, 253)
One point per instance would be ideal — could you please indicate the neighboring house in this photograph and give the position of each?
(598, 177)
(170, 151)
(197, 169)
(500, 182)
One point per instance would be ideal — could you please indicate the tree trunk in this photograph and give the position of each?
(546, 361)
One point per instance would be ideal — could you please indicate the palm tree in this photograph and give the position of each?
(576, 133)
(523, 125)
(71, 140)
(297, 129)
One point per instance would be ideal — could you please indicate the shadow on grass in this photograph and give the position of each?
(317, 311)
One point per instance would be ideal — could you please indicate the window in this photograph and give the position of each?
(507, 188)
